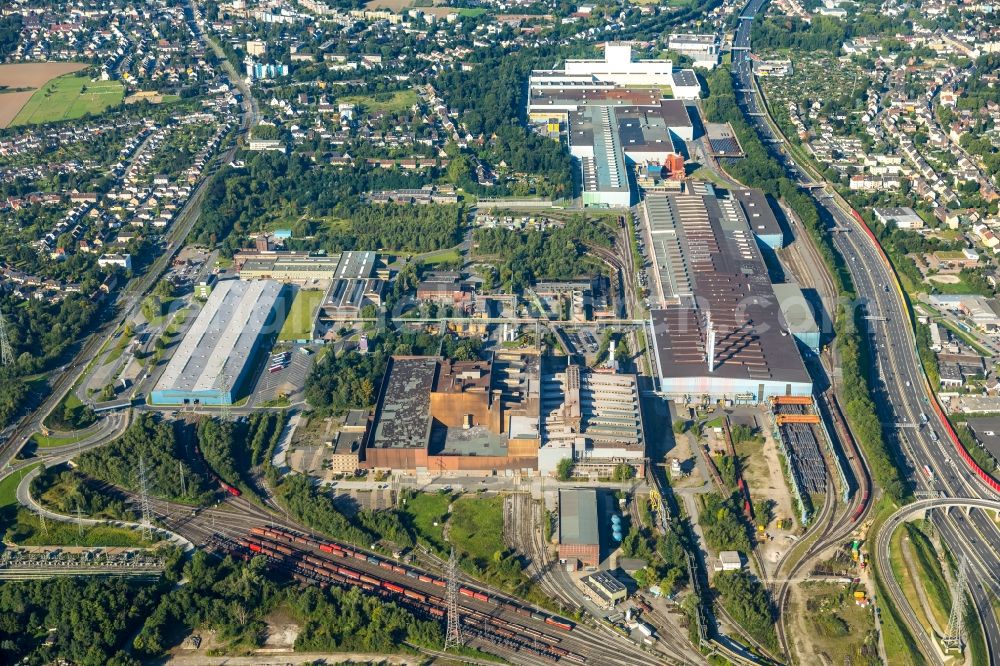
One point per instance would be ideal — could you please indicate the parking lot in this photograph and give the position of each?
(288, 382)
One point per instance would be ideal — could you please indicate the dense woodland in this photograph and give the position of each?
(314, 507)
(77, 492)
(747, 600)
(157, 443)
(299, 193)
(396, 227)
(721, 519)
(524, 257)
(91, 617)
(39, 334)
(351, 380)
(10, 34)
(820, 33)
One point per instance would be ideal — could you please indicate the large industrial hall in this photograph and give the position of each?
(217, 354)
(717, 326)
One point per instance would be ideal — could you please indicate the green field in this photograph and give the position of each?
(907, 578)
(47, 442)
(299, 322)
(450, 256)
(425, 509)
(390, 102)
(931, 576)
(8, 487)
(69, 97)
(476, 527)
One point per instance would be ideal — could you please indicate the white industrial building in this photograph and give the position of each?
(903, 217)
(617, 67)
(702, 49)
(615, 70)
(614, 115)
(216, 357)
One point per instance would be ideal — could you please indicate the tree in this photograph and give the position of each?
(13, 391)
(152, 307)
(680, 426)
(564, 470)
(764, 510)
(623, 472)
(741, 433)
(459, 171)
(164, 289)
(749, 604)
(157, 443)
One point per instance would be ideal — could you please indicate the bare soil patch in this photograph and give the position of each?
(31, 75)
(392, 5)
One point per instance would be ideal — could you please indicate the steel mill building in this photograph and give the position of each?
(717, 327)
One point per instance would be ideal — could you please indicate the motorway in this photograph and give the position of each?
(910, 423)
(882, 548)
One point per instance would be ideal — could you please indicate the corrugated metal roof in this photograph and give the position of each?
(222, 338)
(578, 517)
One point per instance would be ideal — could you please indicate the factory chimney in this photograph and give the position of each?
(710, 346)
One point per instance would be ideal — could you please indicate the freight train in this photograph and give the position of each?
(348, 553)
(235, 492)
(306, 567)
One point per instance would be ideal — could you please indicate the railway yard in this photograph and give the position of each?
(661, 397)
(523, 634)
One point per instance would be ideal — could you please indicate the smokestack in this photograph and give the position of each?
(711, 343)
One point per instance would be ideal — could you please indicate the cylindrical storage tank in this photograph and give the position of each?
(616, 519)
(617, 534)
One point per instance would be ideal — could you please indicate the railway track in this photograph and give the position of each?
(525, 536)
(834, 529)
(233, 519)
(751, 640)
(533, 627)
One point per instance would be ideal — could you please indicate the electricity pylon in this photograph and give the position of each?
(453, 636)
(955, 638)
(147, 521)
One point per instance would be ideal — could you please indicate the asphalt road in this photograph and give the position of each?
(128, 300)
(898, 375)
